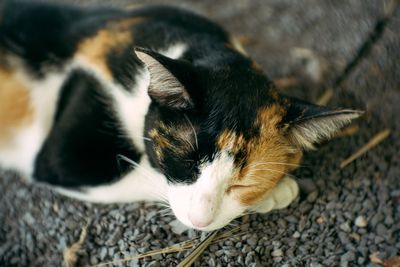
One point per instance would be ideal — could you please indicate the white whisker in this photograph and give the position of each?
(194, 131)
(189, 143)
(147, 139)
(272, 163)
(285, 173)
(162, 198)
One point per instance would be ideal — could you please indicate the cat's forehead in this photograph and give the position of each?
(188, 130)
(264, 125)
(178, 137)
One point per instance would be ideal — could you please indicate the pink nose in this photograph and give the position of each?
(198, 222)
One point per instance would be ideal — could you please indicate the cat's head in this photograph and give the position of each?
(224, 137)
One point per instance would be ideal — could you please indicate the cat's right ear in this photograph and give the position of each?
(306, 124)
(166, 75)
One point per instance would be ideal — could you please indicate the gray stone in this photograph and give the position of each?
(381, 229)
(348, 256)
(277, 253)
(296, 234)
(103, 253)
(345, 227)
(312, 197)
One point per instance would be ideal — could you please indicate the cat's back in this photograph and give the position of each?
(43, 32)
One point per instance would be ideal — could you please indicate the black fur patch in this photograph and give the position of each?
(84, 144)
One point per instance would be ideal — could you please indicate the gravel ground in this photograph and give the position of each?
(342, 218)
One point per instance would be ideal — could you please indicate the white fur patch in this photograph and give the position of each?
(132, 109)
(204, 204)
(141, 184)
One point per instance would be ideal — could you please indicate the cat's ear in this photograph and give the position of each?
(165, 86)
(306, 124)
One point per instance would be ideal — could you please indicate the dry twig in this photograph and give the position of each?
(324, 99)
(177, 247)
(348, 131)
(284, 83)
(71, 253)
(188, 261)
(379, 137)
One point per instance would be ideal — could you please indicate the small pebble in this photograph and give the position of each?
(321, 220)
(296, 234)
(277, 253)
(103, 253)
(345, 227)
(177, 227)
(312, 197)
(381, 229)
(361, 221)
(347, 257)
(252, 241)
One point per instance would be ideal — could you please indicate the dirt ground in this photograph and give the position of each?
(345, 217)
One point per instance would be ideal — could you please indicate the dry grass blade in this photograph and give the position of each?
(324, 99)
(172, 249)
(245, 40)
(284, 83)
(374, 258)
(175, 248)
(188, 261)
(379, 137)
(229, 233)
(71, 253)
(348, 131)
(390, 8)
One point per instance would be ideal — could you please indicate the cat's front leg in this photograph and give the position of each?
(143, 183)
(281, 196)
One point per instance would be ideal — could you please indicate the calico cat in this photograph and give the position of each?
(154, 104)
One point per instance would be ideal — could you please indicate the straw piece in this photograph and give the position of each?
(324, 99)
(176, 248)
(379, 137)
(71, 253)
(172, 249)
(348, 131)
(188, 261)
(284, 83)
(245, 40)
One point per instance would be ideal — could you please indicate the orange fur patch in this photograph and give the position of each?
(113, 38)
(15, 106)
(269, 157)
(181, 144)
(160, 143)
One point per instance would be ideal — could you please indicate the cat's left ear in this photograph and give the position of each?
(167, 78)
(306, 124)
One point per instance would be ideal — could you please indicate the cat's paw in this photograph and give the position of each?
(281, 196)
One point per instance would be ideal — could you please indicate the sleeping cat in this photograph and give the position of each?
(154, 104)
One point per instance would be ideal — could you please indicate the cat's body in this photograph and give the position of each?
(152, 104)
